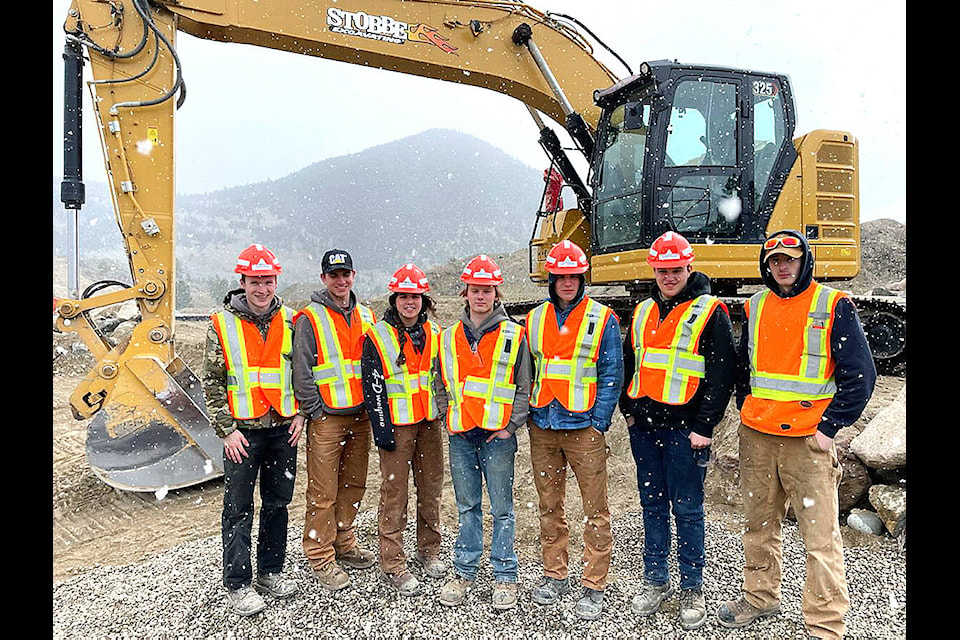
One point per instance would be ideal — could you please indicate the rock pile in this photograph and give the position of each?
(872, 453)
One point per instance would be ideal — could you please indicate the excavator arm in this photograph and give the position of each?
(149, 428)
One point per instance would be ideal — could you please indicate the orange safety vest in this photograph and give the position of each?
(479, 384)
(258, 370)
(339, 346)
(669, 366)
(565, 360)
(410, 385)
(791, 365)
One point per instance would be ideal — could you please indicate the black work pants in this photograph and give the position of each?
(275, 461)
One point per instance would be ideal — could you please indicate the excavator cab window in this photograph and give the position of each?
(619, 176)
(700, 184)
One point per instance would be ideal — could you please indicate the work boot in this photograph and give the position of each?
(737, 614)
(590, 605)
(504, 595)
(455, 590)
(357, 558)
(274, 584)
(693, 608)
(432, 566)
(404, 582)
(245, 601)
(651, 596)
(331, 576)
(549, 590)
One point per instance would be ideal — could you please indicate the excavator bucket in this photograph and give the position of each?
(136, 442)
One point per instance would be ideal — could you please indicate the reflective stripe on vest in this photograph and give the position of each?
(337, 372)
(489, 390)
(565, 360)
(409, 393)
(263, 378)
(812, 380)
(680, 363)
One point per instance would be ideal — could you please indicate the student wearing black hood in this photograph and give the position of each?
(805, 371)
(679, 363)
(397, 365)
(578, 371)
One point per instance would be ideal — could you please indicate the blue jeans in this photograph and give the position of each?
(473, 460)
(670, 475)
(275, 461)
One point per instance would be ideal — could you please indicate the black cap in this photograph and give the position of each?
(336, 259)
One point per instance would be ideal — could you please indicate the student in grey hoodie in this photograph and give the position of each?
(483, 395)
(328, 341)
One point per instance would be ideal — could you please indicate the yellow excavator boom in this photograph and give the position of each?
(149, 428)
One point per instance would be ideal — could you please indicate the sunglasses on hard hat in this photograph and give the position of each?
(784, 241)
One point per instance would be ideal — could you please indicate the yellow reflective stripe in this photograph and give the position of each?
(578, 371)
(287, 399)
(535, 319)
(496, 391)
(235, 355)
(335, 371)
(241, 385)
(640, 316)
(451, 371)
(813, 383)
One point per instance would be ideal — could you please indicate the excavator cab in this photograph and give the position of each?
(695, 149)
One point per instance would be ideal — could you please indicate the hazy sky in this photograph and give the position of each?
(253, 114)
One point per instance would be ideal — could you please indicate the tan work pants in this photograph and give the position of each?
(774, 469)
(586, 451)
(420, 449)
(338, 450)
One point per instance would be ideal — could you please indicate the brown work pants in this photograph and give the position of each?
(586, 451)
(338, 450)
(420, 449)
(773, 470)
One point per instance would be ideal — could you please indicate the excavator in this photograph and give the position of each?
(707, 151)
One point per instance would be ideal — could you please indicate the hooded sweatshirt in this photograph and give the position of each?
(375, 396)
(305, 357)
(855, 374)
(215, 368)
(521, 370)
(609, 375)
(707, 406)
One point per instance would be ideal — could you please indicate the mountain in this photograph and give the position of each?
(430, 197)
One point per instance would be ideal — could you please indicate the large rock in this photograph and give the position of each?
(890, 501)
(883, 443)
(856, 477)
(722, 484)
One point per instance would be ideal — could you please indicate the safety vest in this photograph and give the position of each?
(258, 370)
(409, 386)
(565, 360)
(669, 366)
(339, 345)
(480, 387)
(791, 366)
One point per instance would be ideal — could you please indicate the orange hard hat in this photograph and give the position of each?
(257, 260)
(482, 270)
(409, 279)
(670, 250)
(566, 258)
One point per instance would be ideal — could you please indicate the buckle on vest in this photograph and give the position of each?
(806, 404)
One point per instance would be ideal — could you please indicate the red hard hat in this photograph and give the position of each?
(257, 260)
(482, 270)
(670, 250)
(566, 258)
(409, 279)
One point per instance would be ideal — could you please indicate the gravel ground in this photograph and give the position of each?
(178, 594)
